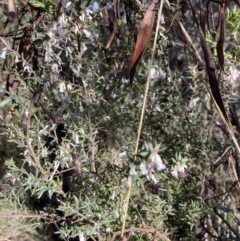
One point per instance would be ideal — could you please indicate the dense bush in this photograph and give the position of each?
(70, 157)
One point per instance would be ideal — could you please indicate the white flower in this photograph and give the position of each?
(26, 68)
(87, 33)
(157, 161)
(81, 107)
(162, 74)
(180, 168)
(153, 73)
(162, 20)
(54, 68)
(106, 118)
(54, 25)
(44, 152)
(29, 141)
(77, 139)
(113, 195)
(95, 132)
(132, 171)
(16, 59)
(122, 154)
(61, 87)
(82, 17)
(175, 172)
(81, 236)
(164, 37)
(68, 4)
(187, 147)
(69, 87)
(84, 84)
(233, 77)
(143, 169)
(66, 116)
(113, 95)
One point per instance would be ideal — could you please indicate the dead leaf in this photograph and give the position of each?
(143, 39)
(220, 36)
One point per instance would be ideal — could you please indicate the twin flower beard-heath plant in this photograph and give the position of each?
(155, 163)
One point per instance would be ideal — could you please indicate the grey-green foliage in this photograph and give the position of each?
(82, 84)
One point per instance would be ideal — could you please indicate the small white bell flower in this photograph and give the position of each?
(133, 171)
(143, 169)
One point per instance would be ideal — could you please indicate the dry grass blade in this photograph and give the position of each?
(143, 39)
(220, 36)
(11, 10)
(202, 17)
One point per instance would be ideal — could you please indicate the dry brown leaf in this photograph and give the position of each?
(202, 17)
(11, 10)
(220, 36)
(143, 39)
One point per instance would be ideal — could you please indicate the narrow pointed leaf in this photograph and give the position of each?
(143, 39)
(220, 36)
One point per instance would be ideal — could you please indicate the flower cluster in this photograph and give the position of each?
(154, 163)
(180, 168)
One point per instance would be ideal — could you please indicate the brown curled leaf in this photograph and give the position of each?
(202, 17)
(220, 36)
(11, 10)
(143, 39)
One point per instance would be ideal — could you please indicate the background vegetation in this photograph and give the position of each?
(70, 169)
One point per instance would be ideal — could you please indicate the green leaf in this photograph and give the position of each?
(5, 102)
